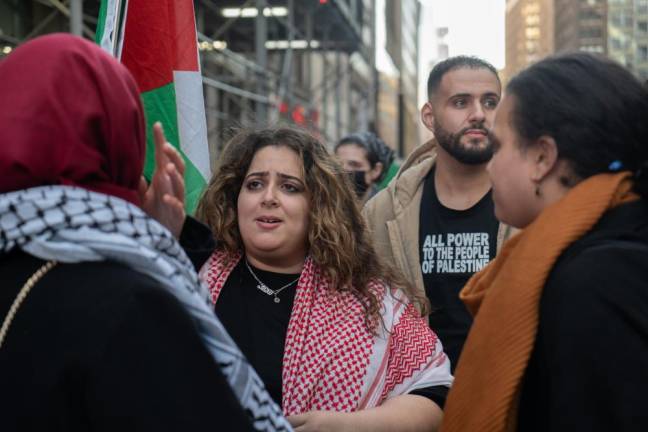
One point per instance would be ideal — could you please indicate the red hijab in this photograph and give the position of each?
(70, 114)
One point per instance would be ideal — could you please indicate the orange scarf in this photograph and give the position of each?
(504, 299)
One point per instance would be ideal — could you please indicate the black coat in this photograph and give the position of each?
(97, 346)
(589, 367)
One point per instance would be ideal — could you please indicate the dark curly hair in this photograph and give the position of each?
(338, 239)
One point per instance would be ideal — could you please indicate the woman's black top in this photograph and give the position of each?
(98, 346)
(257, 324)
(588, 370)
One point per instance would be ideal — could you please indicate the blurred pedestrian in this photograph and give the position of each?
(366, 158)
(435, 220)
(298, 285)
(104, 323)
(560, 338)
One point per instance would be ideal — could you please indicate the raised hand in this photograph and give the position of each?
(163, 198)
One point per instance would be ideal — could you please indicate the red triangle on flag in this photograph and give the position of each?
(159, 38)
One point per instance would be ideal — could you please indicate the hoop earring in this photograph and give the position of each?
(538, 193)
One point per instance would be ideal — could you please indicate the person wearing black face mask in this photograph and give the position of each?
(364, 156)
(360, 185)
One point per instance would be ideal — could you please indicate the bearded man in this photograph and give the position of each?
(436, 220)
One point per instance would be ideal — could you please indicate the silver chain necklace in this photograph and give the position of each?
(264, 288)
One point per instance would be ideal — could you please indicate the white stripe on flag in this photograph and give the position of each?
(110, 37)
(192, 127)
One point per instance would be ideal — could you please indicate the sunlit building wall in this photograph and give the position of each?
(628, 34)
(387, 124)
(402, 24)
(616, 28)
(529, 33)
(641, 36)
(581, 25)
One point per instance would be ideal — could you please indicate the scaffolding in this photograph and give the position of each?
(309, 62)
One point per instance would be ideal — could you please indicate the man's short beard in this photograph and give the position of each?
(468, 155)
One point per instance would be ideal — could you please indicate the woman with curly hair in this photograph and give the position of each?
(299, 287)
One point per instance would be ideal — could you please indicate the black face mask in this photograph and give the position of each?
(359, 183)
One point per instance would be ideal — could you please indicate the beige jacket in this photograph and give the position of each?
(393, 216)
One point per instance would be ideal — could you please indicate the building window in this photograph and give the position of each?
(532, 20)
(591, 32)
(642, 26)
(592, 48)
(531, 8)
(591, 14)
(532, 46)
(643, 53)
(616, 20)
(533, 33)
(616, 44)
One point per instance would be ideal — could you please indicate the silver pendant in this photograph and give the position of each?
(265, 289)
(277, 300)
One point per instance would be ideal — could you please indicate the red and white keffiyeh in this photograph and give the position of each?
(331, 361)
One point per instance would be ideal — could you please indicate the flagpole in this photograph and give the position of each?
(76, 17)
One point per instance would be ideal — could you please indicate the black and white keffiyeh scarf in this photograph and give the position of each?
(72, 225)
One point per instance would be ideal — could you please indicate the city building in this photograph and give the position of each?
(387, 119)
(308, 62)
(581, 25)
(627, 34)
(443, 50)
(402, 42)
(529, 33)
(614, 28)
(442, 53)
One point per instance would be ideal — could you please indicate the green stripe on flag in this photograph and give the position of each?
(160, 105)
(101, 24)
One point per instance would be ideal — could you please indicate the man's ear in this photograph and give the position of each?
(544, 156)
(427, 116)
(375, 172)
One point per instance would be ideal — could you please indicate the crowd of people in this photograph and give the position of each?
(497, 283)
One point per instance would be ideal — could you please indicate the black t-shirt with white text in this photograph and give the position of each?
(453, 245)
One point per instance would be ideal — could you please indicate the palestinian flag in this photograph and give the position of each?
(156, 40)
